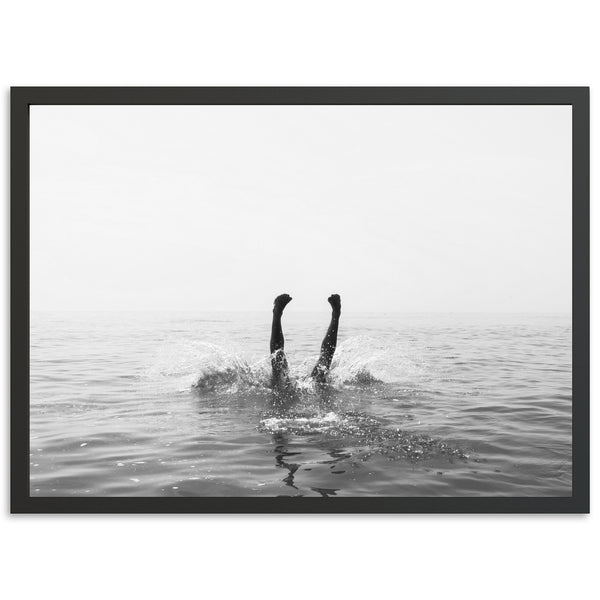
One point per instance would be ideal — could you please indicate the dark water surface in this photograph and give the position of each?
(146, 404)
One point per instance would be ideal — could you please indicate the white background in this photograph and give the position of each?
(308, 43)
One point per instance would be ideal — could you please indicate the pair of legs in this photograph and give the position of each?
(278, 359)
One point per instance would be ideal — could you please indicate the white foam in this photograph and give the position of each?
(317, 423)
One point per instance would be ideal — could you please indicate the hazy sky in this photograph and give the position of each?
(397, 208)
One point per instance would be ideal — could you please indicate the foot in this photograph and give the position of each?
(336, 303)
(281, 302)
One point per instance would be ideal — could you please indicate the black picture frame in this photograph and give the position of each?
(23, 97)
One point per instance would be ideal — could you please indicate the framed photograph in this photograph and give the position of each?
(319, 300)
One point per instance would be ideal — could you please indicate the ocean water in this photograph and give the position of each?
(178, 404)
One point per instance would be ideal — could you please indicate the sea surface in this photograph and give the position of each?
(178, 404)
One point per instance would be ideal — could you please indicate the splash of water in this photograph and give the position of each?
(362, 360)
(217, 369)
(208, 368)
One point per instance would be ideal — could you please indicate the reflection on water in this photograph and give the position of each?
(282, 455)
(146, 404)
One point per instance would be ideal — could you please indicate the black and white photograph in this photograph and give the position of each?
(300, 301)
